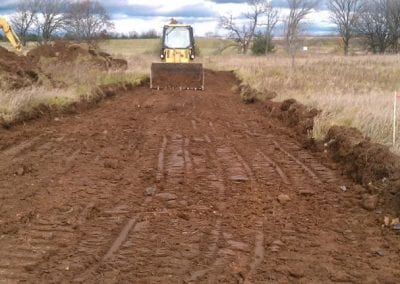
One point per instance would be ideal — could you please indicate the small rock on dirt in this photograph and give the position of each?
(396, 227)
(370, 202)
(150, 190)
(283, 198)
(296, 272)
(111, 164)
(167, 196)
(278, 243)
(20, 171)
(172, 204)
(307, 192)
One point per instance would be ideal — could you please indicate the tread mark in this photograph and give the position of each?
(278, 169)
(307, 169)
(161, 157)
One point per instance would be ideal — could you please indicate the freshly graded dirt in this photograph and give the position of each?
(182, 187)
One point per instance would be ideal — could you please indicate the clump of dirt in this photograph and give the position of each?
(371, 164)
(67, 53)
(363, 160)
(250, 95)
(16, 71)
(294, 115)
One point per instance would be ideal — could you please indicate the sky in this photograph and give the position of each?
(140, 16)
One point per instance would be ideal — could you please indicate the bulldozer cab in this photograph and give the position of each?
(177, 44)
(177, 53)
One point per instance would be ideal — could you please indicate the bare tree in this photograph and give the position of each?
(298, 10)
(243, 34)
(87, 20)
(344, 14)
(271, 15)
(50, 18)
(24, 18)
(393, 21)
(372, 25)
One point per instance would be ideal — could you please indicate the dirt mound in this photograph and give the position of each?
(363, 160)
(294, 115)
(16, 71)
(66, 53)
(367, 163)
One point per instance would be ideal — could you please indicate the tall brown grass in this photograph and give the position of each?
(350, 91)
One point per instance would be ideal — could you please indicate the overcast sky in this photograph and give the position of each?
(135, 15)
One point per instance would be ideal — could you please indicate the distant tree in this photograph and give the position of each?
(344, 14)
(152, 33)
(372, 25)
(87, 21)
(298, 10)
(271, 15)
(24, 18)
(51, 18)
(260, 44)
(243, 34)
(393, 20)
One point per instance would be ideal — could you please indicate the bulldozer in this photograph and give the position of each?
(10, 35)
(176, 69)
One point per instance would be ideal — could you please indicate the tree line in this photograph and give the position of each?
(375, 22)
(45, 20)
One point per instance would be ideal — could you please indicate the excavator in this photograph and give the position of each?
(177, 70)
(10, 35)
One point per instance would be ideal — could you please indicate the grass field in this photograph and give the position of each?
(352, 91)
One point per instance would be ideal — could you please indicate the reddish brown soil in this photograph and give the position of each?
(18, 71)
(181, 187)
(66, 53)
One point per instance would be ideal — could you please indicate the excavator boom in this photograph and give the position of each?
(10, 35)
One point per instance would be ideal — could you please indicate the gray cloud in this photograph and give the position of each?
(188, 13)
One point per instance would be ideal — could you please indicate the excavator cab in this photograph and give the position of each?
(177, 70)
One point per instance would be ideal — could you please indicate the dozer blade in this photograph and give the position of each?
(182, 76)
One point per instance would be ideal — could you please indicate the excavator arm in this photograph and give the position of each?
(10, 35)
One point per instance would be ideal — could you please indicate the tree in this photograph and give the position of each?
(51, 18)
(372, 25)
(344, 14)
(393, 20)
(24, 18)
(87, 21)
(298, 10)
(243, 34)
(271, 19)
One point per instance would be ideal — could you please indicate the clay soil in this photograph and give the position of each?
(18, 71)
(181, 187)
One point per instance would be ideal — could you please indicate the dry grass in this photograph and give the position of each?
(351, 91)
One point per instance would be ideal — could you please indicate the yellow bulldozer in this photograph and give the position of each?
(178, 51)
(10, 35)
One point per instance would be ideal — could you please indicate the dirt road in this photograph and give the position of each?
(184, 187)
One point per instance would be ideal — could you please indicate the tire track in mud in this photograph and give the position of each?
(229, 256)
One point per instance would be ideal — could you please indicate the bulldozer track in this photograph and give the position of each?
(180, 187)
